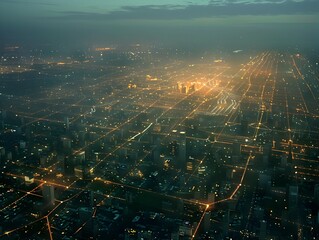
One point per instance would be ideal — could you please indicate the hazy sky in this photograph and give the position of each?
(209, 22)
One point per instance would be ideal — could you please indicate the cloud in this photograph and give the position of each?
(27, 2)
(214, 9)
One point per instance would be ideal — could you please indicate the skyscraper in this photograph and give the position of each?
(293, 197)
(48, 194)
(182, 149)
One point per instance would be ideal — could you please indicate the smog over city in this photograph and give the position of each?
(155, 119)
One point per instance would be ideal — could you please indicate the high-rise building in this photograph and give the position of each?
(156, 148)
(89, 229)
(48, 194)
(243, 130)
(156, 154)
(67, 123)
(79, 158)
(283, 160)
(66, 144)
(263, 230)
(79, 172)
(182, 149)
(2, 153)
(290, 153)
(173, 148)
(211, 197)
(236, 150)
(206, 223)
(267, 149)
(225, 223)
(178, 148)
(264, 181)
(68, 165)
(3, 114)
(185, 231)
(293, 197)
(316, 194)
(9, 155)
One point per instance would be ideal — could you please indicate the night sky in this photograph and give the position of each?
(235, 23)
